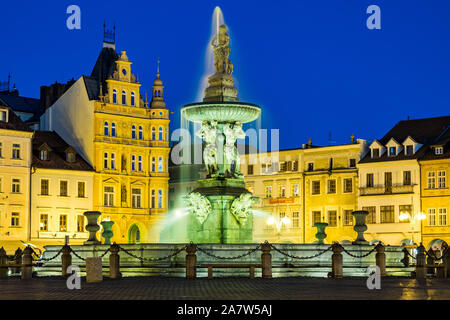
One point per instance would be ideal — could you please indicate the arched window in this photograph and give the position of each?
(141, 133)
(132, 99)
(113, 129)
(159, 93)
(133, 132)
(115, 96)
(156, 93)
(161, 133)
(106, 128)
(160, 164)
(153, 133)
(124, 97)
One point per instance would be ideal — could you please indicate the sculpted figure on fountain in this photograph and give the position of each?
(232, 132)
(208, 133)
(221, 49)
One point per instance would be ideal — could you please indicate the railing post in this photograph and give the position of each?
(114, 262)
(266, 261)
(17, 260)
(336, 261)
(191, 261)
(27, 267)
(420, 263)
(3, 262)
(380, 258)
(66, 260)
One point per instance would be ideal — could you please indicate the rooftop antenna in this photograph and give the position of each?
(157, 69)
(109, 37)
(330, 141)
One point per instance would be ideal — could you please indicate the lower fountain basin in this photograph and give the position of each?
(221, 112)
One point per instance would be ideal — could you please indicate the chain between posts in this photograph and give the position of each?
(433, 256)
(46, 259)
(409, 254)
(300, 258)
(76, 255)
(152, 259)
(229, 258)
(356, 256)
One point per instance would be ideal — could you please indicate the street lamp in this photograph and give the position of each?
(412, 219)
(278, 223)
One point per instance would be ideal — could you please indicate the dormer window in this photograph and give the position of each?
(439, 150)
(70, 157)
(409, 151)
(375, 153)
(4, 115)
(44, 155)
(392, 151)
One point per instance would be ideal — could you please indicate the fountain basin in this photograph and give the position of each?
(221, 112)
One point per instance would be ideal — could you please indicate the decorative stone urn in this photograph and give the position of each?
(320, 235)
(107, 231)
(92, 227)
(360, 226)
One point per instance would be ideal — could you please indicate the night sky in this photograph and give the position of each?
(312, 66)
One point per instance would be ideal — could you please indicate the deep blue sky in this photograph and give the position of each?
(312, 66)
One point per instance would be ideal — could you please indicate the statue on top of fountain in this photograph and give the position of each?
(221, 48)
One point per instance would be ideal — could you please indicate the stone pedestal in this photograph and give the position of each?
(266, 261)
(337, 261)
(27, 260)
(360, 226)
(92, 226)
(66, 260)
(380, 258)
(191, 261)
(94, 271)
(114, 262)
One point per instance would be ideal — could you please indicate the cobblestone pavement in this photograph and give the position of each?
(158, 288)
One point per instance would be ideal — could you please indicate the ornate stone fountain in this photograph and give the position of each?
(221, 206)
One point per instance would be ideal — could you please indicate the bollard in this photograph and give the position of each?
(420, 263)
(114, 262)
(27, 267)
(191, 261)
(336, 261)
(430, 263)
(266, 261)
(405, 259)
(17, 260)
(66, 260)
(3, 262)
(380, 258)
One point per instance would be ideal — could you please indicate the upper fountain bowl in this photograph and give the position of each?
(221, 112)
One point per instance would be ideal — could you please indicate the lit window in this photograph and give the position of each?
(81, 189)
(80, 223)
(63, 223)
(160, 199)
(431, 217)
(372, 216)
(392, 151)
(387, 214)
(282, 191)
(442, 183)
(70, 157)
(348, 185)
(160, 164)
(439, 150)
(295, 190)
(44, 155)
(348, 218)
(442, 216)
(295, 220)
(44, 222)
(44, 187)
(268, 191)
(316, 217)
(431, 179)
(113, 161)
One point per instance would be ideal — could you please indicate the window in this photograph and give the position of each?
(132, 99)
(282, 215)
(348, 218)
(44, 187)
(442, 216)
(409, 150)
(266, 168)
(282, 166)
(133, 162)
(80, 223)
(438, 150)
(332, 186)
(405, 209)
(315, 187)
(1, 150)
(161, 134)
(441, 179)
(387, 214)
(81, 189)
(140, 166)
(332, 218)
(289, 166)
(388, 182)
(392, 151)
(70, 157)
(295, 220)
(311, 166)
(15, 221)
(153, 164)
(431, 179)
(295, 165)
(133, 132)
(352, 163)
(63, 223)
(250, 169)
(369, 180)
(124, 97)
(136, 198)
(268, 191)
(153, 199)
(113, 129)
(375, 153)
(141, 133)
(105, 162)
(63, 188)
(106, 128)
(431, 217)
(16, 151)
(160, 199)
(407, 178)
(109, 196)
(295, 190)
(113, 161)
(43, 226)
(15, 186)
(348, 185)
(160, 164)
(115, 96)
(3, 116)
(44, 155)
(316, 217)
(282, 191)
(153, 133)
(372, 216)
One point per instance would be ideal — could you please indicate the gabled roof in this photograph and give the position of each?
(393, 140)
(377, 143)
(444, 141)
(21, 104)
(14, 122)
(57, 156)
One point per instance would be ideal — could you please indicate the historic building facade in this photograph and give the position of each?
(61, 191)
(15, 175)
(126, 140)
